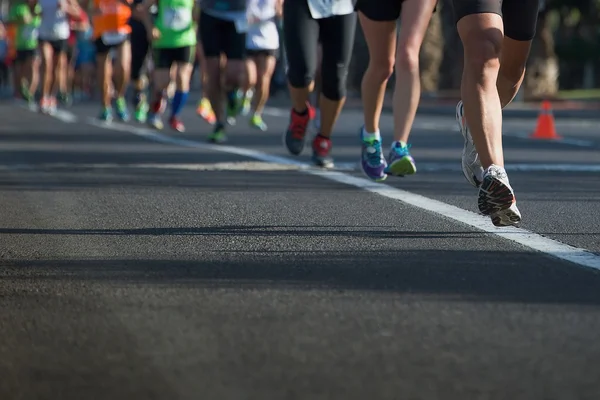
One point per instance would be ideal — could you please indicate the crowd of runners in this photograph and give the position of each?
(154, 47)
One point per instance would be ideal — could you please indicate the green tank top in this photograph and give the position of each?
(176, 24)
(27, 34)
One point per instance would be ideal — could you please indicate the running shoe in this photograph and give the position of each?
(247, 103)
(295, 135)
(65, 99)
(321, 156)
(218, 134)
(497, 198)
(257, 122)
(155, 121)
(45, 105)
(122, 111)
(234, 105)
(106, 115)
(205, 111)
(176, 124)
(141, 111)
(400, 163)
(372, 160)
(471, 164)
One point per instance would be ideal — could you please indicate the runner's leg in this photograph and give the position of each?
(301, 35)
(184, 61)
(481, 29)
(48, 63)
(161, 78)
(265, 66)
(123, 66)
(337, 37)
(104, 73)
(415, 18)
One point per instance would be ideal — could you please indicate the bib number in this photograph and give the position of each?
(327, 8)
(241, 25)
(112, 38)
(177, 19)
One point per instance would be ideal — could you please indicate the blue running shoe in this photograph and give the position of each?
(106, 115)
(372, 160)
(401, 162)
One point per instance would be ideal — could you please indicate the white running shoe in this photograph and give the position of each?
(471, 165)
(497, 198)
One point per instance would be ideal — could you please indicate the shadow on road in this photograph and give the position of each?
(449, 275)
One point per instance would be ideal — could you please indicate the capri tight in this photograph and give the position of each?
(301, 36)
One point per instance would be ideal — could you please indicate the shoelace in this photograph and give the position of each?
(298, 128)
(374, 152)
(402, 151)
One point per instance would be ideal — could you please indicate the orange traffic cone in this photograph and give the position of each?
(545, 128)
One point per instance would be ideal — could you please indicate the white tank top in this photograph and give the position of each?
(55, 24)
(264, 34)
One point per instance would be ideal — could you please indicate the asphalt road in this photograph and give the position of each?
(138, 265)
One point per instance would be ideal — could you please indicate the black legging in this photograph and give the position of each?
(301, 35)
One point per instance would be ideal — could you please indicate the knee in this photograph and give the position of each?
(407, 58)
(333, 82)
(482, 52)
(382, 69)
(299, 76)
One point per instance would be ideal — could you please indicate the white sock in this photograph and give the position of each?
(371, 135)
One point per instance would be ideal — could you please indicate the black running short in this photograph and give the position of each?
(219, 36)
(58, 46)
(103, 48)
(380, 10)
(164, 58)
(25, 55)
(262, 52)
(519, 16)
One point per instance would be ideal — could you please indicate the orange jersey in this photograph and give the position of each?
(114, 17)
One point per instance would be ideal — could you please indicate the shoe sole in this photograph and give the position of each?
(285, 144)
(402, 167)
(327, 164)
(374, 179)
(495, 200)
(506, 217)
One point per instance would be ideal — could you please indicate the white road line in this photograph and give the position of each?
(523, 237)
(510, 167)
(249, 166)
(531, 240)
(269, 166)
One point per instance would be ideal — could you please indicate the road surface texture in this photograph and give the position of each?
(144, 265)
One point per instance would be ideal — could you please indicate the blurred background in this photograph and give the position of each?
(564, 62)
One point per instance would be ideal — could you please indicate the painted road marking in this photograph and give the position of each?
(521, 236)
(268, 166)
